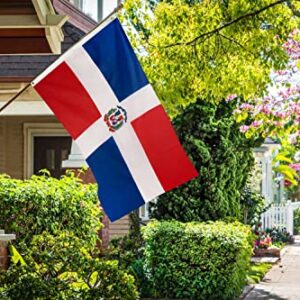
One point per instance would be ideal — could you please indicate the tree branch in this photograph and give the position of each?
(235, 42)
(293, 8)
(218, 29)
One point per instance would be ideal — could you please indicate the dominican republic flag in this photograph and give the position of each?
(101, 95)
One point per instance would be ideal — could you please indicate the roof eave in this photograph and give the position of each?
(76, 17)
(25, 79)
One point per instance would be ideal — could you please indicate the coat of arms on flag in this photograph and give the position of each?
(101, 95)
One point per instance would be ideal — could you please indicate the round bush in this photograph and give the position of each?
(43, 203)
(197, 260)
(57, 223)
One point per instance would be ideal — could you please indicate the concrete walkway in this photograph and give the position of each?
(283, 280)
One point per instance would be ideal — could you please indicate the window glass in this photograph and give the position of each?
(77, 3)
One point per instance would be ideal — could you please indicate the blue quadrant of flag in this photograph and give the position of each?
(115, 179)
(110, 50)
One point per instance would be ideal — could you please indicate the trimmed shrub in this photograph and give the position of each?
(42, 203)
(222, 155)
(57, 223)
(197, 260)
(58, 267)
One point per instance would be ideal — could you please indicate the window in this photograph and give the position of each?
(96, 9)
(77, 3)
(50, 152)
(93, 8)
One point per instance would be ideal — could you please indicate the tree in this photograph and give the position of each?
(222, 155)
(210, 48)
(277, 115)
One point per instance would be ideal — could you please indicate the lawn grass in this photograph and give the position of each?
(257, 271)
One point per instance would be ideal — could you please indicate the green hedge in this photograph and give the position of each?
(59, 268)
(197, 260)
(42, 203)
(57, 223)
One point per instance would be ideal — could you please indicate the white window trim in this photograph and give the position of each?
(32, 130)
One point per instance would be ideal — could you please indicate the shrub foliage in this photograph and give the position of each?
(57, 223)
(58, 267)
(197, 260)
(43, 203)
(222, 155)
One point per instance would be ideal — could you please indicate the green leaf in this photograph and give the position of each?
(281, 157)
(16, 256)
(289, 173)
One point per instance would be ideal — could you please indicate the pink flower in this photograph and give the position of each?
(287, 183)
(244, 128)
(293, 138)
(246, 106)
(231, 97)
(257, 123)
(265, 109)
(278, 123)
(280, 114)
(294, 32)
(282, 72)
(295, 166)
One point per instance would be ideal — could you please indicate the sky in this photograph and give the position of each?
(91, 7)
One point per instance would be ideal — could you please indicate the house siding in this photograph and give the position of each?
(12, 143)
(119, 228)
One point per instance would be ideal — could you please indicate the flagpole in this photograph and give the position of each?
(23, 90)
(27, 86)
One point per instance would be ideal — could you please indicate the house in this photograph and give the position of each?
(33, 33)
(271, 189)
(280, 208)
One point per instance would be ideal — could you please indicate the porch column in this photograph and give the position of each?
(100, 10)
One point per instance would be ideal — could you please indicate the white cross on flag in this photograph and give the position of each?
(101, 95)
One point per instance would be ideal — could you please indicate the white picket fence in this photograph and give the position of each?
(280, 216)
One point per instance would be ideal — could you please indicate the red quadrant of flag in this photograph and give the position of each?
(161, 145)
(68, 99)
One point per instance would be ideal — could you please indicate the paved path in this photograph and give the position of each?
(283, 280)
